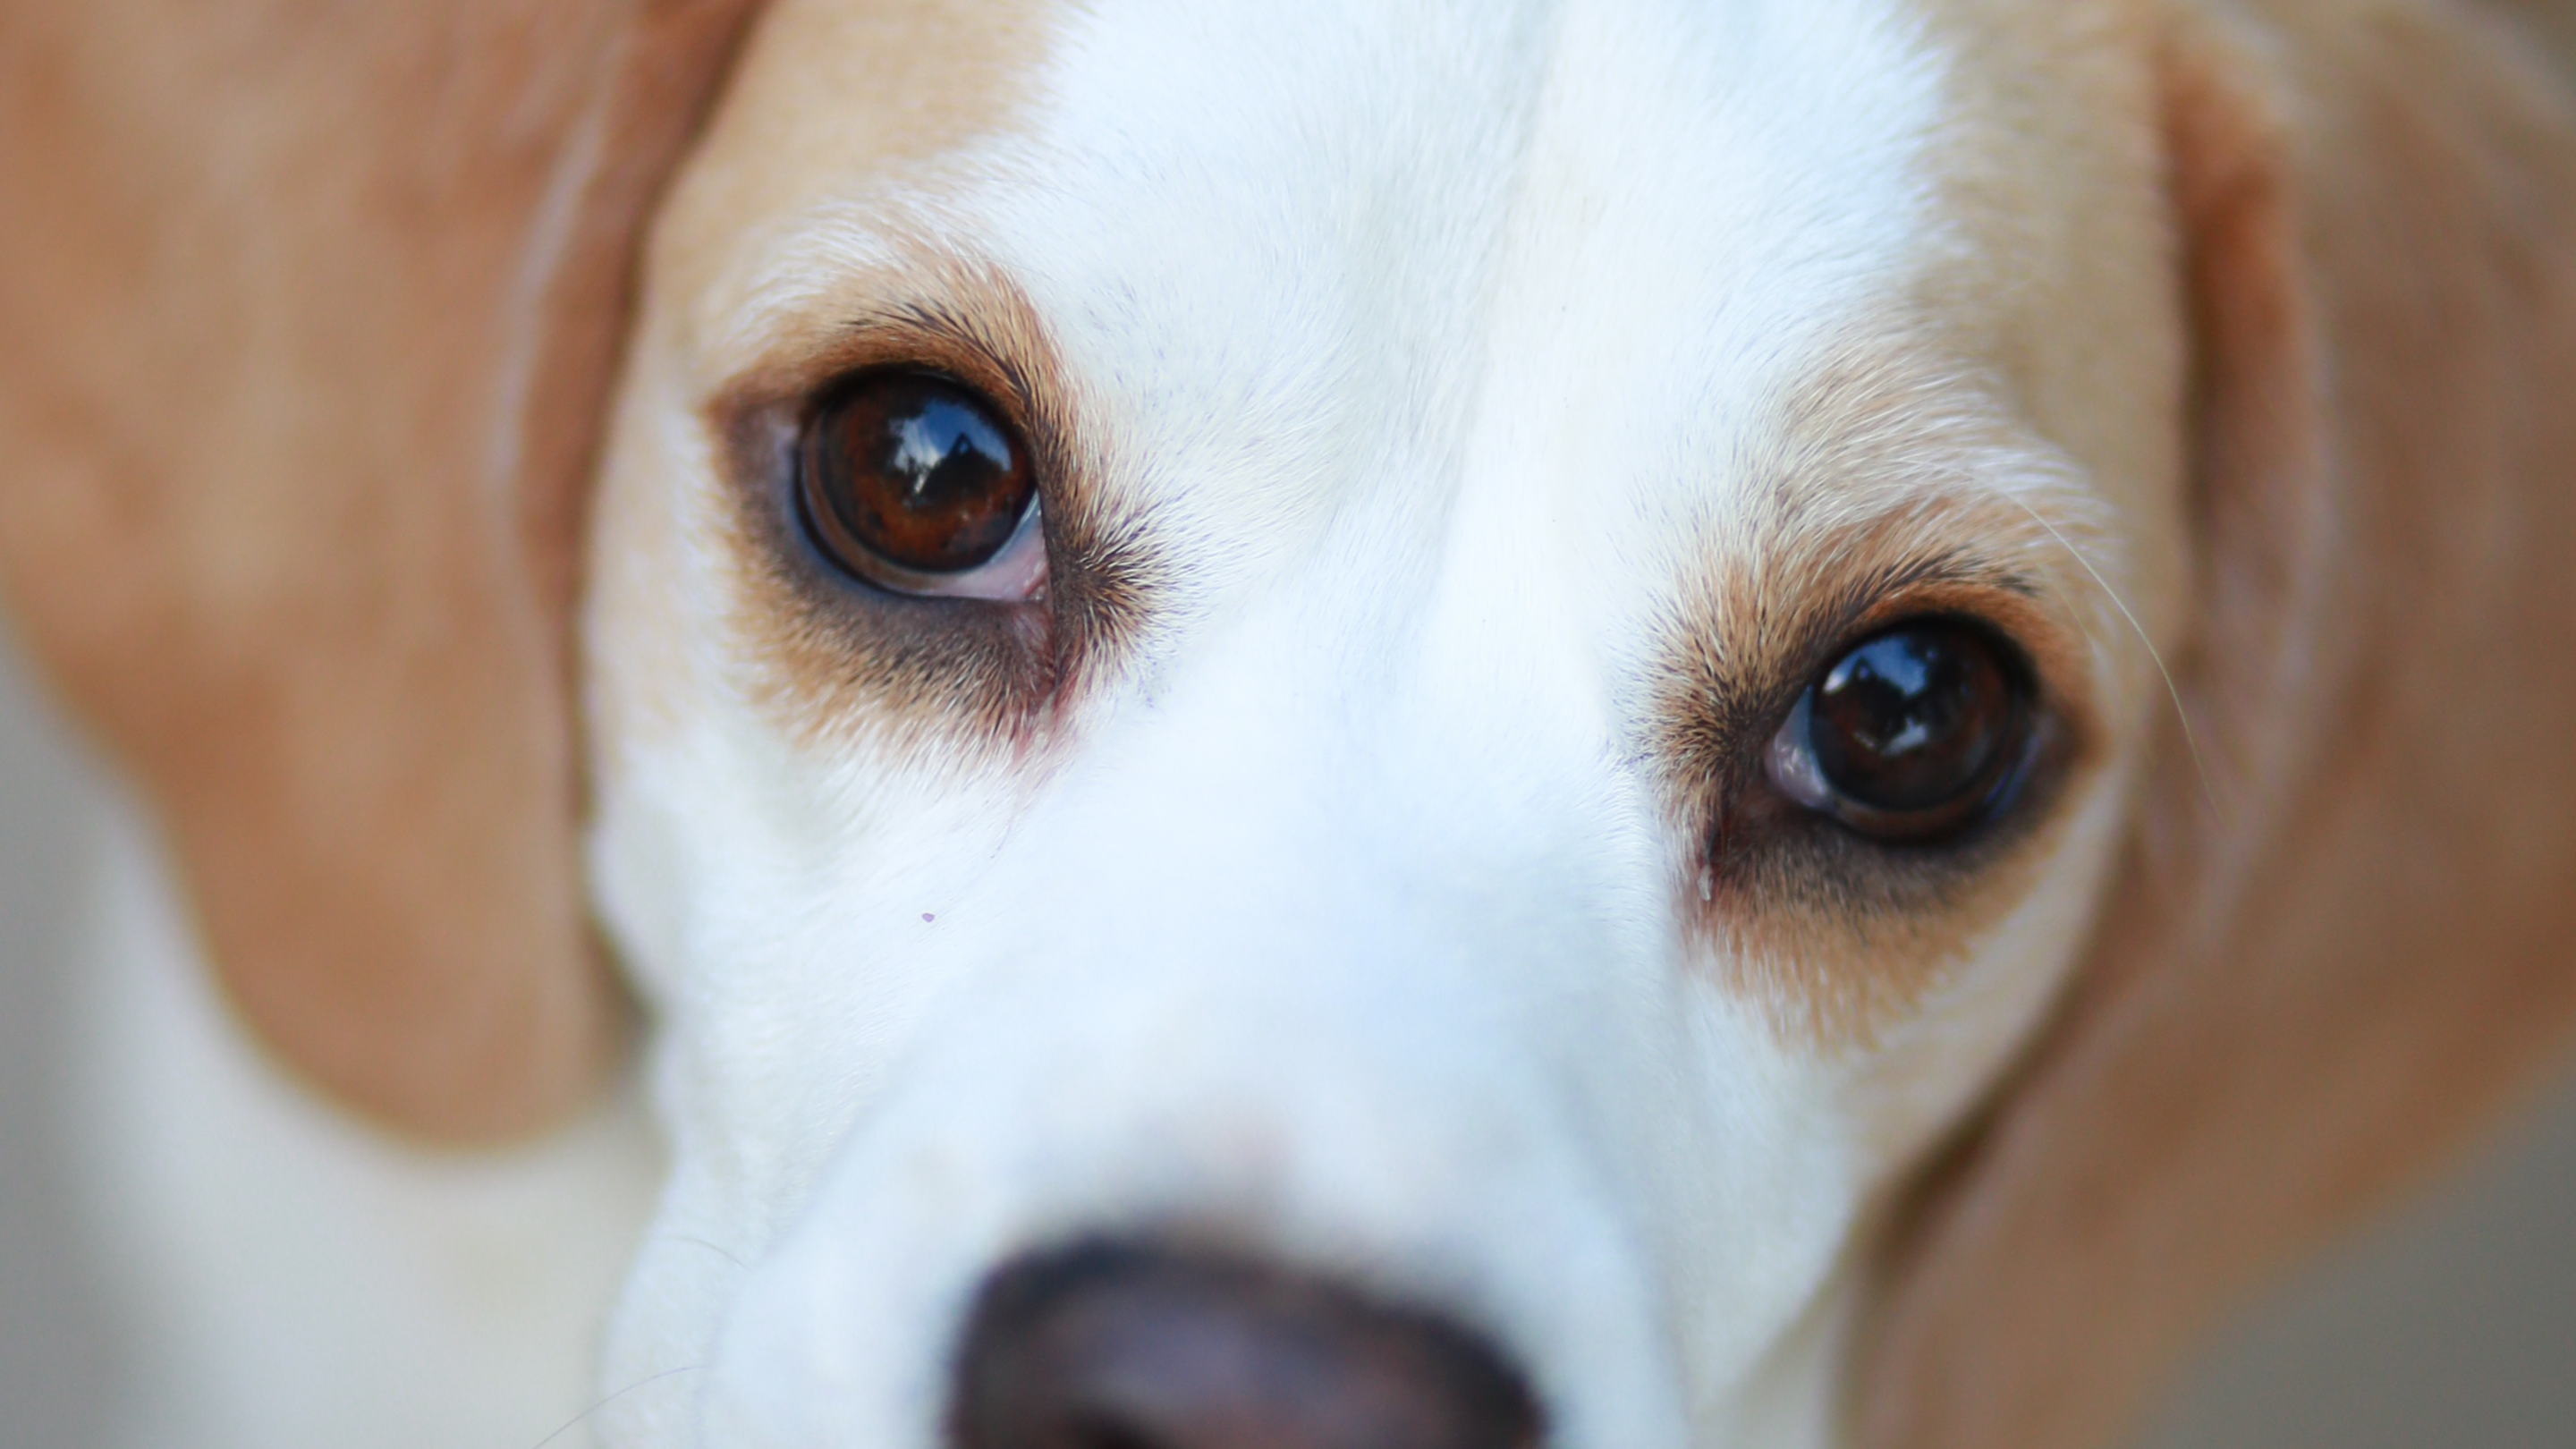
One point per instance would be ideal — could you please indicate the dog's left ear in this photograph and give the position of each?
(307, 320)
(2307, 988)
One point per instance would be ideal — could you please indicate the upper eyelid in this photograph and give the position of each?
(913, 337)
(1872, 601)
(841, 286)
(982, 336)
(942, 330)
(1932, 585)
(1728, 679)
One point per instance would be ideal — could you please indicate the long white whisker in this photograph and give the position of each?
(570, 1424)
(718, 1249)
(2173, 693)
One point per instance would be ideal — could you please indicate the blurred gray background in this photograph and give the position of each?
(2451, 1323)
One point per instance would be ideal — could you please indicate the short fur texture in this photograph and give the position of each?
(1466, 425)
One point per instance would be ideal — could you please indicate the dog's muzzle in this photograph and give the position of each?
(1115, 1347)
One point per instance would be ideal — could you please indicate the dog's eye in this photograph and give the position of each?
(919, 485)
(1914, 733)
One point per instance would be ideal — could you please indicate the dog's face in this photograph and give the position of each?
(1487, 716)
(1490, 652)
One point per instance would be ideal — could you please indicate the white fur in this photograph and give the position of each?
(1341, 927)
(296, 1279)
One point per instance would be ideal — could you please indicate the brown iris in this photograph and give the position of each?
(907, 474)
(1918, 729)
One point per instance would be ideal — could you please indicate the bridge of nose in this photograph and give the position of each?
(1369, 751)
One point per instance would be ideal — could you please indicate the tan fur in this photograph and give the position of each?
(2301, 999)
(825, 666)
(911, 84)
(2552, 23)
(309, 312)
(912, 81)
(2045, 310)
(1836, 945)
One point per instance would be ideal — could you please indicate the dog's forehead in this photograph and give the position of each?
(1297, 265)
(1510, 379)
(1280, 217)
(1367, 206)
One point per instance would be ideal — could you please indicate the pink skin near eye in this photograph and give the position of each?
(1016, 575)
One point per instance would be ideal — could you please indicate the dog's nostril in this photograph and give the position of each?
(1113, 1347)
(1097, 1433)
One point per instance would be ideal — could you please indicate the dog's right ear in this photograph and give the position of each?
(307, 319)
(2346, 929)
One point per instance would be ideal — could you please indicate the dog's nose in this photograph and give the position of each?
(1113, 1347)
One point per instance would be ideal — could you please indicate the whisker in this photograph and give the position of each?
(717, 1249)
(575, 1421)
(2173, 693)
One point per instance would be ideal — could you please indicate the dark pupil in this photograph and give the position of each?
(1914, 719)
(916, 470)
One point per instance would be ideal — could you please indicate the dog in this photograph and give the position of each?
(1602, 723)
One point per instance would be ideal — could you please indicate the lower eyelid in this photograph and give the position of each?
(1019, 571)
(1017, 574)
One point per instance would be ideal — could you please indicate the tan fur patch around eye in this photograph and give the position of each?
(834, 103)
(830, 659)
(1831, 936)
(1855, 529)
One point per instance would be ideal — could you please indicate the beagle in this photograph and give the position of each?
(1618, 724)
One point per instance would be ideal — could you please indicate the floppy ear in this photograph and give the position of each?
(307, 317)
(2303, 992)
